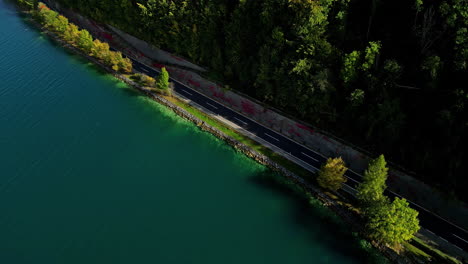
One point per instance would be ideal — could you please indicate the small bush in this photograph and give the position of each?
(143, 79)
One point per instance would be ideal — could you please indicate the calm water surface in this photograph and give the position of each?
(92, 172)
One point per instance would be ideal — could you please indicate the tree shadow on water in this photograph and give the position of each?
(320, 223)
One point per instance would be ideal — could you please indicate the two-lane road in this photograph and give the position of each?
(433, 223)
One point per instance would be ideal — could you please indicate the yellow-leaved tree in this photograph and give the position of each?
(331, 174)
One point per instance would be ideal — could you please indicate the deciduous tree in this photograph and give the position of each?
(100, 49)
(349, 72)
(331, 174)
(125, 65)
(48, 16)
(370, 55)
(392, 223)
(85, 41)
(72, 33)
(60, 24)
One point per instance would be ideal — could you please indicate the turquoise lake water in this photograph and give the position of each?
(93, 172)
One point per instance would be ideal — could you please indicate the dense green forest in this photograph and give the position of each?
(390, 76)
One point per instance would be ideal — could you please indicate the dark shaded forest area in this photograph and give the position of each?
(390, 76)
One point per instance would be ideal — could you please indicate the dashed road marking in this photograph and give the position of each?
(457, 247)
(460, 238)
(182, 90)
(266, 134)
(211, 105)
(309, 156)
(352, 179)
(245, 123)
(349, 186)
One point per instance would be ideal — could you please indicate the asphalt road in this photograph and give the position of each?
(431, 222)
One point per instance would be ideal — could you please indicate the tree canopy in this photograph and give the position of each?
(163, 79)
(393, 223)
(331, 174)
(82, 39)
(372, 188)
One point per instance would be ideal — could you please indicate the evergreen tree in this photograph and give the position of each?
(331, 174)
(163, 80)
(371, 190)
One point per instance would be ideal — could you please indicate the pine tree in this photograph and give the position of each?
(331, 174)
(372, 188)
(163, 80)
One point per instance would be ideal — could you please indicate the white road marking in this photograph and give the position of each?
(211, 105)
(349, 186)
(308, 156)
(352, 179)
(266, 134)
(457, 247)
(145, 70)
(430, 231)
(186, 92)
(460, 238)
(240, 120)
(316, 169)
(397, 195)
(443, 239)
